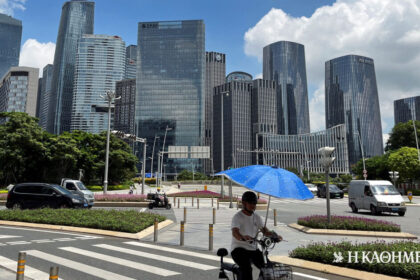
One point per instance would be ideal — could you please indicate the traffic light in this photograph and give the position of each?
(118, 133)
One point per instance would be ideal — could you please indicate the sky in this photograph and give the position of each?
(388, 31)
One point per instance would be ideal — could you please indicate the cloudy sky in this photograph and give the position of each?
(386, 30)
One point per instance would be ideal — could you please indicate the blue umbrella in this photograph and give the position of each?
(272, 181)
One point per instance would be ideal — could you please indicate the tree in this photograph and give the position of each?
(405, 161)
(377, 167)
(402, 135)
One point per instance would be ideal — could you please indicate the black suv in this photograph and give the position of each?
(37, 195)
(334, 191)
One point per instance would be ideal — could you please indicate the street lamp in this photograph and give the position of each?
(306, 157)
(108, 97)
(153, 153)
(326, 161)
(222, 141)
(363, 155)
(160, 160)
(394, 176)
(415, 131)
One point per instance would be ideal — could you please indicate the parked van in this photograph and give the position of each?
(376, 196)
(77, 186)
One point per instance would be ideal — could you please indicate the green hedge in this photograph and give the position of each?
(126, 221)
(110, 188)
(324, 253)
(415, 192)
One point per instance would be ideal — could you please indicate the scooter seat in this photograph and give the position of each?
(231, 267)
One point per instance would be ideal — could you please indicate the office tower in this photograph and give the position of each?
(215, 75)
(100, 62)
(284, 62)
(131, 62)
(44, 95)
(232, 101)
(238, 77)
(351, 97)
(171, 87)
(125, 106)
(407, 109)
(77, 18)
(11, 35)
(19, 90)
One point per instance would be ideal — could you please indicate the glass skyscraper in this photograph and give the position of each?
(131, 62)
(45, 93)
(407, 109)
(171, 86)
(351, 98)
(11, 35)
(100, 63)
(284, 62)
(77, 18)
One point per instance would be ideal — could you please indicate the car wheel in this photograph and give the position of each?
(373, 210)
(354, 208)
(318, 195)
(17, 206)
(401, 213)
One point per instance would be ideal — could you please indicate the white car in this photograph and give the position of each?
(312, 188)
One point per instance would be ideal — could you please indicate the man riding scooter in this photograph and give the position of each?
(245, 226)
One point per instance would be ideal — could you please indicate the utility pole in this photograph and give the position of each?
(326, 161)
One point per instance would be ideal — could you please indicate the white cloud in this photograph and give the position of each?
(8, 6)
(258, 76)
(36, 54)
(317, 109)
(385, 30)
(385, 138)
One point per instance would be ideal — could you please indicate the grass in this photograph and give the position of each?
(129, 221)
(324, 253)
(348, 223)
(210, 194)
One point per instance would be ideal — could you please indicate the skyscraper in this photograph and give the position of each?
(100, 62)
(11, 35)
(284, 62)
(215, 75)
(131, 62)
(45, 93)
(77, 18)
(407, 109)
(171, 85)
(351, 97)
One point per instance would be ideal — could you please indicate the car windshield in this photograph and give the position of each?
(61, 190)
(386, 189)
(334, 188)
(81, 186)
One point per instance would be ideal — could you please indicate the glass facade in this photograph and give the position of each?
(45, 93)
(351, 98)
(131, 62)
(284, 62)
(171, 86)
(100, 62)
(11, 35)
(407, 109)
(77, 18)
(238, 77)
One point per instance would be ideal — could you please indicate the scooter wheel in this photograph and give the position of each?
(150, 205)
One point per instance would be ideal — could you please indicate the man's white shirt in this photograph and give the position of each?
(247, 225)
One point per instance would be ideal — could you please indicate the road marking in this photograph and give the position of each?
(142, 210)
(100, 273)
(42, 230)
(87, 237)
(64, 239)
(8, 236)
(18, 242)
(120, 261)
(2, 244)
(43, 241)
(29, 271)
(308, 276)
(157, 257)
(178, 251)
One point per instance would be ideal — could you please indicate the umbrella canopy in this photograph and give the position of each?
(272, 181)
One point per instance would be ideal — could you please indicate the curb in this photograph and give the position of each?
(332, 269)
(142, 234)
(352, 232)
(120, 204)
(412, 204)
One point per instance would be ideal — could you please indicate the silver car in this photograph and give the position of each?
(312, 188)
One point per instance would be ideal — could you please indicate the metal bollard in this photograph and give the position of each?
(211, 201)
(178, 203)
(275, 217)
(53, 272)
(20, 273)
(198, 203)
(210, 237)
(174, 201)
(217, 204)
(181, 240)
(185, 199)
(185, 214)
(192, 201)
(155, 231)
(214, 216)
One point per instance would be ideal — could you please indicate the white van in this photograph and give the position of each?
(78, 187)
(376, 196)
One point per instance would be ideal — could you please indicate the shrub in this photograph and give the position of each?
(415, 192)
(348, 223)
(3, 196)
(120, 197)
(324, 253)
(94, 188)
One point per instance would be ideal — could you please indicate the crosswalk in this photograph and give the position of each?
(314, 201)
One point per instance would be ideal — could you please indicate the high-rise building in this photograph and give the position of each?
(171, 72)
(11, 36)
(407, 109)
(238, 76)
(131, 62)
(215, 75)
(77, 18)
(19, 90)
(100, 63)
(351, 98)
(284, 62)
(44, 94)
(124, 107)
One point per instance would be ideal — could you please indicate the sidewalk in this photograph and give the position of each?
(7, 274)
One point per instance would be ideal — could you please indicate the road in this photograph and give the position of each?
(90, 257)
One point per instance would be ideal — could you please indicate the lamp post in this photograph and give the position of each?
(109, 97)
(326, 161)
(306, 158)
(162, 155)
(394, 176)
(153, 153)
(415, 131)
(363, 155)
(222, 194)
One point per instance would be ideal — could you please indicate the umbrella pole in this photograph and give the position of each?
(268, 208)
